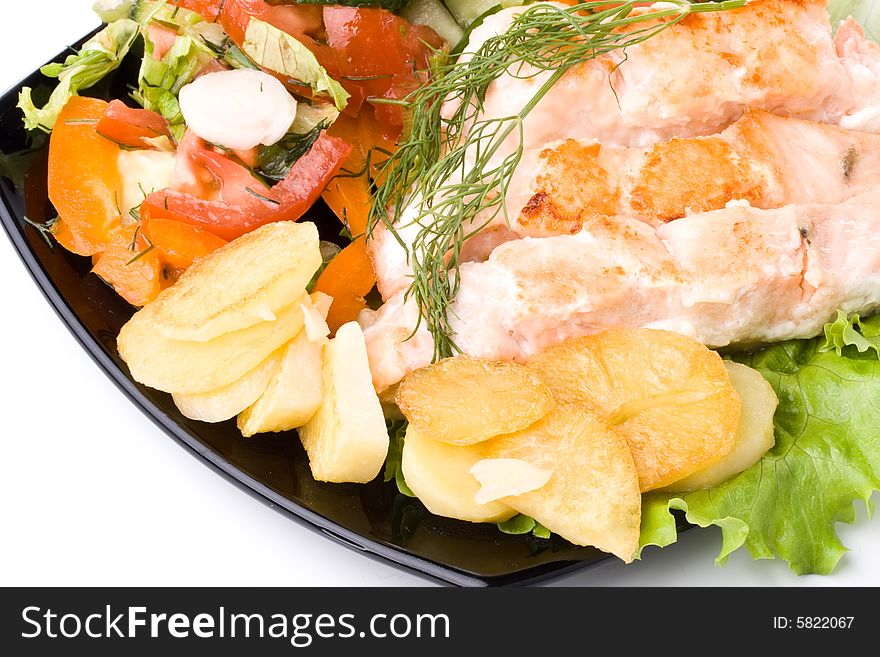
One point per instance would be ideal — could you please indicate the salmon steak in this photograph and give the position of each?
(721, 180)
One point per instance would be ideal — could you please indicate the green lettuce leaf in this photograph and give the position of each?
(393, 468)
(112, 10)
(277, 51)
(826, 457)
(99, 56)
(866, 12)
(851, 332)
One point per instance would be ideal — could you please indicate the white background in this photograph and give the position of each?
(91, 493)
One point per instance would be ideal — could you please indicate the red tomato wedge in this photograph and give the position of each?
(297, 20)
(83, 178)
(241, 204)
(162, 38)
(129, 127)
(207, 9)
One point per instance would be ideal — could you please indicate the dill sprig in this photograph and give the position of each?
(451, 166)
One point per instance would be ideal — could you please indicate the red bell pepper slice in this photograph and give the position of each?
(129, 127)
(242, 208)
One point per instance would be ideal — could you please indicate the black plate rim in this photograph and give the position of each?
(426, 568)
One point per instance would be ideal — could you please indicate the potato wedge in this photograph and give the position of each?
(754, 435)
(501, 478)
(294, 393)
(439, 475)
(464, 400)
(593, 497)
(346, 439)
(248, 281)
(230, 400)
(667, 394)
(178, 366)
(316, 321)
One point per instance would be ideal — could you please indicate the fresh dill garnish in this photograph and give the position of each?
(141, 254)
(133, 245)
(265, 199)
(45, 230)
(451, 166)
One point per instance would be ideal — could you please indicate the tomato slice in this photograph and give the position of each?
(377, 55)
(129, 126)
(207, 9)
(301, 21)
(83, 178)
(239, 208)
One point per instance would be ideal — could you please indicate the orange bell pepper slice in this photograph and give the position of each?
(348, 278)
(131, 266)
(83, 178)
(179, 244)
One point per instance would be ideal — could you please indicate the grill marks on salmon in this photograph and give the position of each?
(764, 159)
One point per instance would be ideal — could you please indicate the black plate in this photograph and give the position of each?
(372, 518)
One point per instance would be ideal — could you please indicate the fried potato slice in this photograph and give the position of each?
(296, 389)
(754, 434)
(230, 400)
(500, 478)
(439, 475)
(346, 439)
(179, 366)
(668, 395)
(464, 400)
(294, 393)
(593, 497)
(248, 281)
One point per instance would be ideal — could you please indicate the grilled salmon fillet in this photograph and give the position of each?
(767, 160)
(739, 275)
(616, 137)
(694, 78)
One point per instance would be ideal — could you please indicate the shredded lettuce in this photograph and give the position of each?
(826, 457)
(866, 12)
(277, 51)
(99, 56)
(112, 10)
(160, 80)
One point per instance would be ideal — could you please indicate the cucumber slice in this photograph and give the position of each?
(433, 14)
(467, 11)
